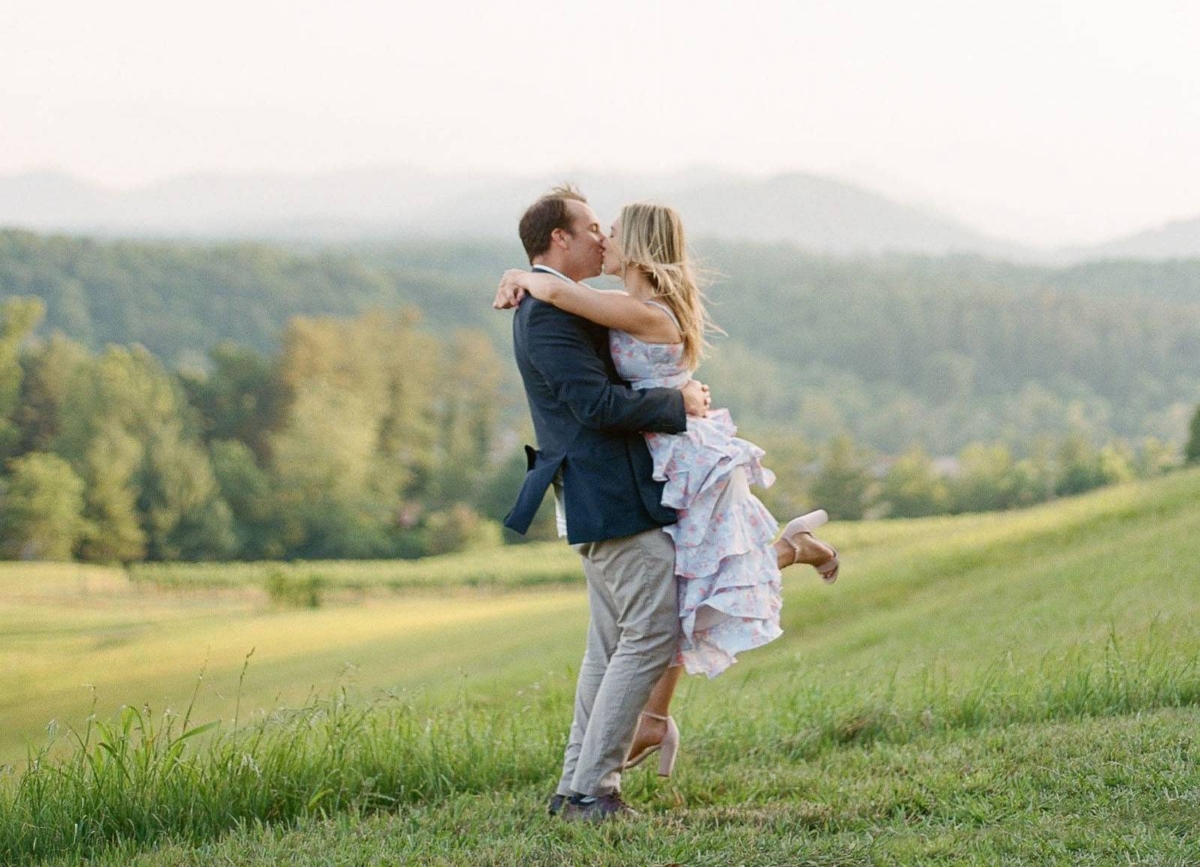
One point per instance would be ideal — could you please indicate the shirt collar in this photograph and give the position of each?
(549, 270)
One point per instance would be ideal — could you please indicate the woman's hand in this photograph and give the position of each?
(516, 284)
(511, 289)
(696, 398)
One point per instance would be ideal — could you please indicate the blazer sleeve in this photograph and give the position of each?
(561, 350)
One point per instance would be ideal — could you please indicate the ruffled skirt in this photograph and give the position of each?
(730, 589)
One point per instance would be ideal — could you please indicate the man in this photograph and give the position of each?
(589, 428)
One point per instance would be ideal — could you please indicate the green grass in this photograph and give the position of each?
(1096, 791)
(984, 689)
(59, 657)
(495, 568)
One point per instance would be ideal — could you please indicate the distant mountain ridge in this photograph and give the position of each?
(816, 213)
(1179, 239)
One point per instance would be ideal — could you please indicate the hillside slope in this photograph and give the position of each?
(815, 342)
(1178, 239)
(973, 687)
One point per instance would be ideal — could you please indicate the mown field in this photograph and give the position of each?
(74, 636)
(1015, 688)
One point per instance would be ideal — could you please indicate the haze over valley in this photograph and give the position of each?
(817, 213)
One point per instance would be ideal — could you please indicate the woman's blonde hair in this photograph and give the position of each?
(652, 240)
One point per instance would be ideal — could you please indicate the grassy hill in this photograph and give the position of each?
(981, 689)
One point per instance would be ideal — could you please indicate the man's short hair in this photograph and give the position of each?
(544, 216)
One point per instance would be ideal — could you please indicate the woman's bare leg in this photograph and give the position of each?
(651, 731)
(785, 554)
(660, 697)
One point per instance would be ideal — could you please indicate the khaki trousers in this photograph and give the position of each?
(633, 634)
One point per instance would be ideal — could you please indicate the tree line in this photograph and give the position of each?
(160, 400)
(370, 437)
(362, 437)
(853, 482)
(891, 350)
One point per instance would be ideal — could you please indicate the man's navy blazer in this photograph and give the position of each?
(589, 423)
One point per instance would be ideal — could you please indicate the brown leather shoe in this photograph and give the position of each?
(600, 808)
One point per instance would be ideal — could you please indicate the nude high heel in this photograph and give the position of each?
(668, 748)
(807, 524)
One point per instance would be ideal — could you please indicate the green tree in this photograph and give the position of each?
(983, 482)
(1116, 462)
(359, 447)
(1191, 453)
(183, 513)
(18, 318)
(949, 376)
(469, 406)
(249, 491)
(114, 531)
(791, 459)
(1030, 480)
(843, 484)
(41, 509)
(750, 385)
(150, 488)
(1079, 466)
(48, 371)
(334, 502)
(239, 399)
(912, 487)
(1155, 457)
(457, 529)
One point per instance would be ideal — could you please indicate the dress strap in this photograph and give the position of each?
(668, 311)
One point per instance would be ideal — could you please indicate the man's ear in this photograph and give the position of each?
(559, 237)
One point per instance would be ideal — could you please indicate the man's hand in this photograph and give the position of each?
(696, 399)
(510, 292)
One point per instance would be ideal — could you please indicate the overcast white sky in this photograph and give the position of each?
(1043, 121)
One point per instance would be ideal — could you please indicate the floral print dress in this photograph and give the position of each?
(730, 588)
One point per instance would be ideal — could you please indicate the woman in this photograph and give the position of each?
(727, 561)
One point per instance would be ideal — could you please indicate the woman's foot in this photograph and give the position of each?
(798, 545)
(649, 736)
(655, 734)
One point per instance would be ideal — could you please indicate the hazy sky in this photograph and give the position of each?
(1044, 121)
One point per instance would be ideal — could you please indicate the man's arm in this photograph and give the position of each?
(561, 351)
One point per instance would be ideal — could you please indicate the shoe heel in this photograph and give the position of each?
(815, 518)
(669, 750)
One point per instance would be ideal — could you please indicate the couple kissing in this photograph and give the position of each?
(651, 485)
